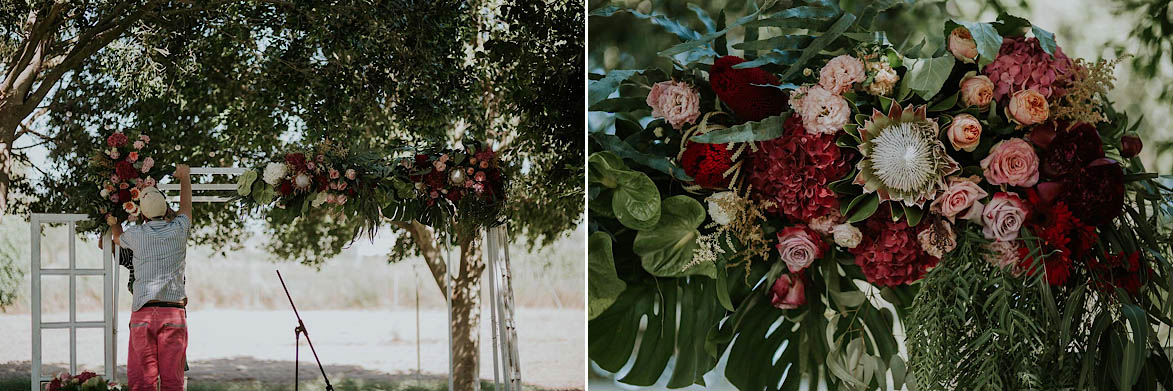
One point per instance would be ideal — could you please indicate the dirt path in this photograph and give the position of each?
(257, 345)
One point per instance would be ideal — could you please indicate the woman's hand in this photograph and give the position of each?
(111, 220)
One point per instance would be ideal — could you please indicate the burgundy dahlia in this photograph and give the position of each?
(707, 163)
(1070, 148)
(793, 172)
(736, 87)
(1095, 193)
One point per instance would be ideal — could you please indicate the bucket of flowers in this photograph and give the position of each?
(85, 381)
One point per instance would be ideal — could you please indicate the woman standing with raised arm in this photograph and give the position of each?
(158, 323)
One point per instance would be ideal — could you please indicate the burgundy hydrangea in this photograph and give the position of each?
(707, 163)
(889, 254)
(740, 89)
(297, 160)
(1022, 65)
(116, 140)
(793, 171)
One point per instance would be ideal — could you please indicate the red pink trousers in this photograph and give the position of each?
(158, 349)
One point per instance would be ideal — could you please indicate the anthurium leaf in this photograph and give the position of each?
(987, 38)
(624, 150)
(636, 200)
(666, 250)
(766, 129)
(605, 285)
(863, 207)
(927, 75)
(602, 88)
(244, 184)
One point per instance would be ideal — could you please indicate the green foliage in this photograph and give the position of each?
(634, 199)
(766, 129)
(11, 257)
(605, 284)
(666, 249)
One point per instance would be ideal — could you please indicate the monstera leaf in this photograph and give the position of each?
(636, 200)
(667, 249)
(605, 284)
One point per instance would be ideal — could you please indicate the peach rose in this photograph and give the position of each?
(976, 90)
(1012, 162)
(1027, 107)
(961, 194)
(841, 73)
(674, 101)
(788, 292)
(1003, 217)
(799, 246)
(965, 132)
(962, 45)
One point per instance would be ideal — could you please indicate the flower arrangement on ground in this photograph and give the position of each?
(85, 381)
(977, 195)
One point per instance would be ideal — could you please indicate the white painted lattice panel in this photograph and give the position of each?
(207, 192)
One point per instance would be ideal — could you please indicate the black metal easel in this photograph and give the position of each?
(297, 333)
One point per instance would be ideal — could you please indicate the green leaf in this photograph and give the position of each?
(605, 286)
(1134, 351)
(666, 250)
(1046, 39)
(987, 38)
(778, 42)
(621, 104)
(624, 150)
(913, 214)
(845, 22)
(636, 201)
(244, 184)
(927, 75)
(602, 88)
(706, 38)
(766, 129)
(863, 207)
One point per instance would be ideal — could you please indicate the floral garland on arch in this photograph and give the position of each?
(802, 199)
(432, 185)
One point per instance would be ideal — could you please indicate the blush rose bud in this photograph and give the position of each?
(1028, 107)
(965, 132)
(976, 91)
(1130, 146)
(962, 45)
(788, 292)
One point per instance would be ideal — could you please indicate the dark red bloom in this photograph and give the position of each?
(1130, 145)
(1070, 149)
(87, 375)
(793, 172)
(286, 187)
(116, 140)
(1060, 235)
(297, 160)
(454, 195)
(736, 87)
(1118, 271)
(706, 163)
(436, 179)
(889, 254)
(1095, 193)
(123, 195)
(323, 182)
(125, 170)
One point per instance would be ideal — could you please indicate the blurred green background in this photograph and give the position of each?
(1138, 30)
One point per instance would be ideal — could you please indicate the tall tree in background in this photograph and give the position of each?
(235, 82)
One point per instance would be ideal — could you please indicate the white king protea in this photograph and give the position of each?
(904, 160)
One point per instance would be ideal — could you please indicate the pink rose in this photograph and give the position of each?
(962, 45)
(960, 195)
(479, 177)
(148, 163)
(150, 182)
(132, 157)
(788, 292)
(1003, 217)
(675, 101)
(976, 90)
(799, 246)
(823, 111)
(1027, 107)
(965, 132)
(113, 153)
(1012, 162)
(139, 144)
(123, 185)
(351, 174)
(841, 73)
(1004, 255)
(145, 138)
(334, 174)
(340, 199)
(330, 198)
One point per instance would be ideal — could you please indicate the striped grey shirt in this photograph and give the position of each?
(160, 253)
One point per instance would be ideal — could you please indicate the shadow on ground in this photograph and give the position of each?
(247, 373)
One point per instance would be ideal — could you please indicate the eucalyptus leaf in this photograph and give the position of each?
(766, 129)
(666, 250)
(602, 88)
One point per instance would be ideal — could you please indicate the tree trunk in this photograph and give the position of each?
(6, 170)
(466, 315)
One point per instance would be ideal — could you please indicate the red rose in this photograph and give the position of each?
(736, 87)
(87, 375)
(788, 291)
(125, 170)
(706, 163)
